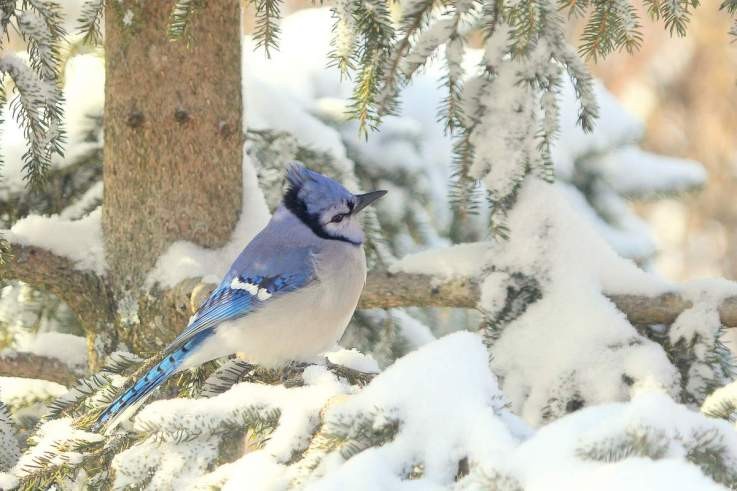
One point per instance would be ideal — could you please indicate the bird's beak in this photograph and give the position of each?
(363, 200)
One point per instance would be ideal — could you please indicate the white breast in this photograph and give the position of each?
(299, 325)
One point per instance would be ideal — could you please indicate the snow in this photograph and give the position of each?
(700, 328)
(8, 480)
(80, 207)
(626, 232)
(51, 438)
(298, 410)
(427, 43)
(556, 457)
(67, 348)
(550, 242)
(446, 381)
(15, 391)
(632, 171)
(494, 291)
(413, 331)
(460, 260)
(128, 18)
(27, 398)
(79, 240)
(354, 359)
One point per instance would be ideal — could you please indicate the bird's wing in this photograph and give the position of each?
(249, 285)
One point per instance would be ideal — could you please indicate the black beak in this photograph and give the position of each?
(363, 200)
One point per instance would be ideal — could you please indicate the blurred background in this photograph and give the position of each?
(685, 92)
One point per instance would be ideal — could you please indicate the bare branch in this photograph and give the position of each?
(386, 290)
(29, 365)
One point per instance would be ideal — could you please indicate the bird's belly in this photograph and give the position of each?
(297, 326)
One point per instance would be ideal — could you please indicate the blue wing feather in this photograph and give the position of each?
(227, 302)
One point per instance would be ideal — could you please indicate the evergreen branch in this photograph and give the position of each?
(90, 22)
(343, 43)
(464, 189)
(373, 22)
(676, 14)
(577, 72)
(191, 383)
(96, 391)
(635, 441)
(416, 16)
(730, 6)
(52, 15)
(7, 12)
(43, 50)
(345, 435)
(9, 451)
(525, 19)
(37, 107)
(428, 41)
(614, 25)
(576, 8)
(266, 32)
(707, 450)
(229, 374)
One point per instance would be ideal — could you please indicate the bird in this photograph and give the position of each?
(287, 297)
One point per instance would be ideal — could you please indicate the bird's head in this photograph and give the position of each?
(325, 206)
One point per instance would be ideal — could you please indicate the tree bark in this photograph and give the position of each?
(29, 365)
(173, 133)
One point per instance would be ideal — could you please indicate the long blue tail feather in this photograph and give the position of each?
(145, 385)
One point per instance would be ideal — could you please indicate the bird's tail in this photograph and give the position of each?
(126, 403)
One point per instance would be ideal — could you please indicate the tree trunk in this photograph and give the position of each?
(173, 135)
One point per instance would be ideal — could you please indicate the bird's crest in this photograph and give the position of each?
(314, 191)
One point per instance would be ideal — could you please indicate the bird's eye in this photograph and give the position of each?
(338, 218)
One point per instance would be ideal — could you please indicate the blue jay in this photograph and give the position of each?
(287, 297)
